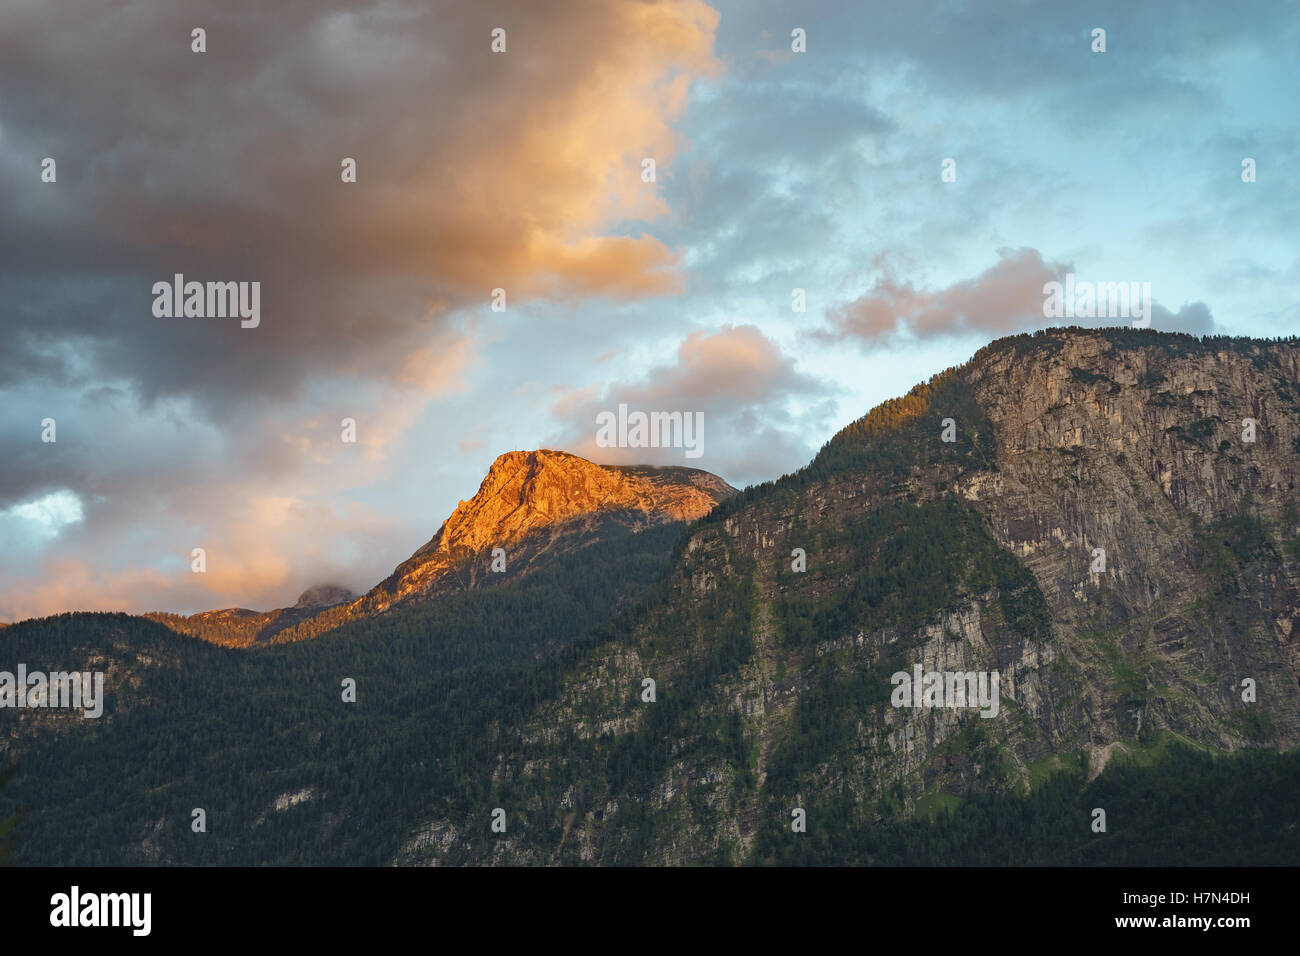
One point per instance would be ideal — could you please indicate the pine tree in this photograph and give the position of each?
(6, 826)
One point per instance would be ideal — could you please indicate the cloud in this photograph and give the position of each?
(267, 495)
(1004, 299)
(758, 408)
(523, 171)
(261, 549)
(40, 519)
(475, 171)
(75, 584)
(1193, 319)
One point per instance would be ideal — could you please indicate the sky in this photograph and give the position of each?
(524, 170)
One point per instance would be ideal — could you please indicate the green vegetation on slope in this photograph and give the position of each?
(905, 564)
(7, 825)
(890, 441)
(231, 731)
(1184, 807)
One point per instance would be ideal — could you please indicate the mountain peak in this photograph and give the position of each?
(524, 491)
(323, 595)
(535, 503)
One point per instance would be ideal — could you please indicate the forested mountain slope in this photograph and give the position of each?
(773, 685)
(1159, 686)
(262, 740)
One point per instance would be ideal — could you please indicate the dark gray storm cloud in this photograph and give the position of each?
(475, 170)
(225, 165)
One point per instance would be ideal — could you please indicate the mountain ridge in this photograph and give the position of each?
(1069, 447)
(772, 677)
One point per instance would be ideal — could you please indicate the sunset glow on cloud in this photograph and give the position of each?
(525, 171)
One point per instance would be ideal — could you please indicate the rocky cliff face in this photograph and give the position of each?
(531, 505)
(1181, 465)
(1113, 529)
(531, 502)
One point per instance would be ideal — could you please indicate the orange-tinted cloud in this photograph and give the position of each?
(1004, 298)
(738, 379)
